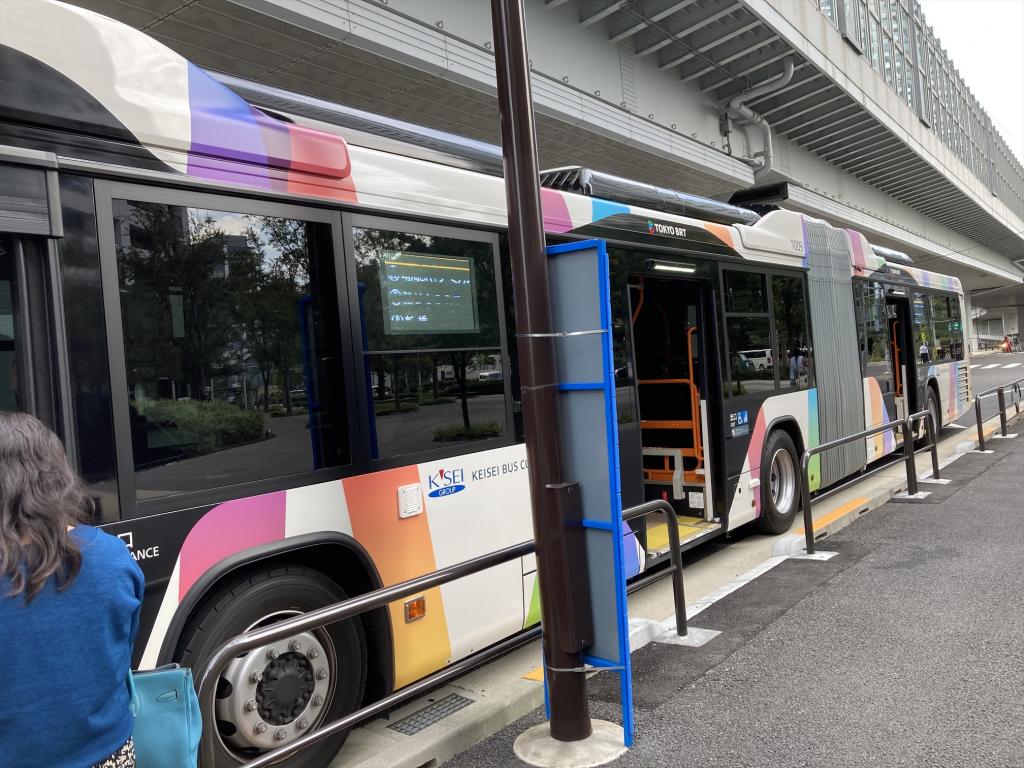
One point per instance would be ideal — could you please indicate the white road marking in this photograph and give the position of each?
(990, 365)
(1011, 365)
(976, 365)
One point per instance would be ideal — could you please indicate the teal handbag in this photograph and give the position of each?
(167, 718)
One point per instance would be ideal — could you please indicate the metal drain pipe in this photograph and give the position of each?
(737, 111)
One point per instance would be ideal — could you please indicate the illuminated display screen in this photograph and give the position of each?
(428, 294)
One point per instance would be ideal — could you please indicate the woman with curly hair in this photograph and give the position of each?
(69, 610)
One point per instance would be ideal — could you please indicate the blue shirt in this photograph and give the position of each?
(66, 656)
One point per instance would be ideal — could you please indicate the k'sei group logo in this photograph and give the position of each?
(445, 482)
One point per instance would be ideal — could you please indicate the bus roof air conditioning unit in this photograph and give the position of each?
(584, 181)
(894, 257)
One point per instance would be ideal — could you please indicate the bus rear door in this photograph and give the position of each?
(904, 354)
(669, 330)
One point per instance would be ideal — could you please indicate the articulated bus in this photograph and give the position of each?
(277, 338)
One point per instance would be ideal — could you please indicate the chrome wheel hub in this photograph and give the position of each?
(275, 693)
(782, 483)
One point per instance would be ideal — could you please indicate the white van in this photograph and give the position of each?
(759, 359)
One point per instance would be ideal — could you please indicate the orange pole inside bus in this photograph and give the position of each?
(896, 358)
(636, 312)
(694, 399)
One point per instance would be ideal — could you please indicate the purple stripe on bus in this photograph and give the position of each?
(224, 132)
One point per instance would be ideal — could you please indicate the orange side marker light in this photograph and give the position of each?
(415, 609)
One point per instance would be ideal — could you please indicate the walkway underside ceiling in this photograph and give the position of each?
(717, 44)
(724, 48)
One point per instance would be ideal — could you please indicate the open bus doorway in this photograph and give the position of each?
(671, 379)
(906, 354)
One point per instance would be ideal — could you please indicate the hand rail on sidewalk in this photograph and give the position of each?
(347, 609)
(932, 435)
(675, 555)
(1000, 395)
(805, 486)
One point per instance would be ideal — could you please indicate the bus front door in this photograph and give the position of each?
(671, 382)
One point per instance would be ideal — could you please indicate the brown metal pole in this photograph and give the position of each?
(570, 714)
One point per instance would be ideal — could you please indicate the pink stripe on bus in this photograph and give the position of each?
(227, 529)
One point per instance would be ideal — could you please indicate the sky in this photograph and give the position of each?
(985, 40)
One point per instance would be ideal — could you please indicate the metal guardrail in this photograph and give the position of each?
(908, 457)
(932, 435)
(329, 615)
(675, 555)
(222, 657)
(1000, 394)
(906, 426)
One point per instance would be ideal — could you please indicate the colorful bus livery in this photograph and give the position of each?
(277, 338)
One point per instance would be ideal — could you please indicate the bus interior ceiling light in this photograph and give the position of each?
(668, 266)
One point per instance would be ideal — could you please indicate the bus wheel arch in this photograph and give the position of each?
(275, 694)
(336, 558)
(789, 424)
(780, 477)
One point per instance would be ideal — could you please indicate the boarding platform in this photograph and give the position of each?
(742, 590)
(899, 648)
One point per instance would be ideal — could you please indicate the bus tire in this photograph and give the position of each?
(780, 483)
(280, 686)
(932, 405)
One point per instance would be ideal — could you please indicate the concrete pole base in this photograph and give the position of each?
(536, 747)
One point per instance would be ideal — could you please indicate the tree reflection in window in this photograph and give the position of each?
(231, 335)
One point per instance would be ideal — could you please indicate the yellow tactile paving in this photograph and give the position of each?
(834, 515)
(537, 675)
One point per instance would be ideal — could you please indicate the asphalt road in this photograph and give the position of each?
(988, 371)
(906, 649)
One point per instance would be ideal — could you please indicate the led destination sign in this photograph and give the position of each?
(428, 294)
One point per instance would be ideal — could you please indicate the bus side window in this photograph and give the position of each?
(435, 368)
(946, 326)
(793, 345)
(872, 331)
(232, 342)
(751, 362)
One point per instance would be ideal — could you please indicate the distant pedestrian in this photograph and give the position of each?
(69, 611)
(795, 362)
(923, 351)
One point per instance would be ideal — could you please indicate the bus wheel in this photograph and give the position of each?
(276, 693)
(932, 404)
(780, 483)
